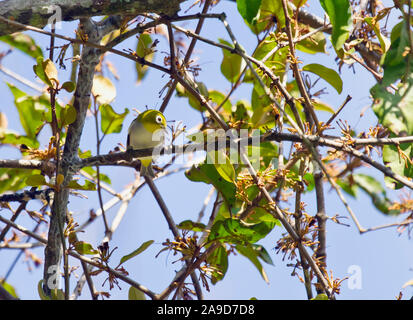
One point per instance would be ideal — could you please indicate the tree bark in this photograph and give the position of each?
(89, 60)
(39, 13)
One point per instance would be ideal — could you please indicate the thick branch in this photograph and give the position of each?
(39, 13)
(89, 60)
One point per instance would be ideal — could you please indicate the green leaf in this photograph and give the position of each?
(42, 295)
(348, 187)
(69, 86)
(14, 179)
(321, 106)
(249, 9)
(235, 231)
(84, 155)
(103, 90)
(273, 8)
(57, 294)
(92, 172)
(222, 164)
(374, 24)
(398, 165)
(135, 294)
(242, 111)
(141, 249)
(217, 98)
(320, 296)
(111, 122)
(314, 44)
(277, 61)
(31, 112)
(208, 173)
(191, 225)
(339, 12)
(88, 186)
(261, 215)
(36, 180)
(329, 75)
(268, 151)
(24, 43)
(9, 288)
(82, 248)
(194, 102)
(232, 64)
(218, 261)
(262, 253)
(10, 137)
(375, 190)
(395, 111)
(259, 100)
(310, 182)
(143, 50)
(46, 71)
(248, 252)
(299, 3)
(394, 60)
(68, 115)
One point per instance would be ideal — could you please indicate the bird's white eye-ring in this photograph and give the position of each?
(158, 119)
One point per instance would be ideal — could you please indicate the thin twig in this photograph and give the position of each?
(321, 216)
(348, 98)
(99, 189)
(172, 227)
(297, 74)
(298, 216)
(188, 54)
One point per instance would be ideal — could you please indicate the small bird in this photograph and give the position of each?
(147, 131)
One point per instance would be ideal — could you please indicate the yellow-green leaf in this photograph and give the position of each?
(232, 64)
(329, 75)
(339, 12)
(135, 294)
(69, 86)
(191, 225)
(82, 247)
(57, 294)
(321, 296)
(248, 252)
(223, 164)
(35, 180)
(42, 295)
(46, 71)
(249, 9)
(9, 288)
(322, 106)
(103, 89)
(88, 186)
(134, 253)
(144, 50)
(68, 115)
(111, 122)
(24, 43)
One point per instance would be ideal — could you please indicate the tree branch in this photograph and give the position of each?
(88, 63)
(39, 13)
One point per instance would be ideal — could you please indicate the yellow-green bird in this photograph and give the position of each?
(147, 131)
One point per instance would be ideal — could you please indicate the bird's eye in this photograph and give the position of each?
(158, 119)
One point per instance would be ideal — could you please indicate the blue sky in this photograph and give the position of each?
(384, 257)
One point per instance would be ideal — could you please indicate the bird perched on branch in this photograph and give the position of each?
(147, 131)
